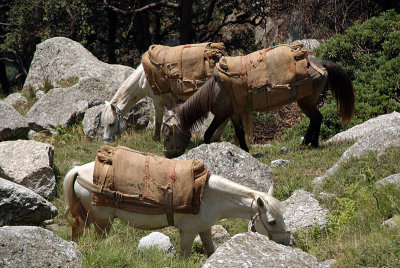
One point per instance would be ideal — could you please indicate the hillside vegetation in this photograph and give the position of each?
(356, 211)
(370, 53)
(357, 208)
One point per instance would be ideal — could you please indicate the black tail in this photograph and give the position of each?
(342, 87)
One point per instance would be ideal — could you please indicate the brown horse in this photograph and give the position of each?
(213, 96)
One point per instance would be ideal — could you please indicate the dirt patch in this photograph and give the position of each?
(271, 125)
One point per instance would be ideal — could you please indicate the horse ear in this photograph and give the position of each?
(260, 202)
(271, 190)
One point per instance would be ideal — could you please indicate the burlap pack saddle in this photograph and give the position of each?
(267, 79)
(146, 183)
(180, 70)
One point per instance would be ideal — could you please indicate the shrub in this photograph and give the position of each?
(370, 52)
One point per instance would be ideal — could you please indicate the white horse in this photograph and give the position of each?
(221, 199)
(134, 88)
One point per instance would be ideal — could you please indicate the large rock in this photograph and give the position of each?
(80, 80)
(219, 235)
(59, 59)
(15, 99)
(393, 179)
(256, 250)
(20, 205)
(302, 210)
(358, 131)
(377, 134)
(139, 115)
(309, 44)
(29, 163)
(27, 246)
(231, 162)
(92, 122)
(12, 124)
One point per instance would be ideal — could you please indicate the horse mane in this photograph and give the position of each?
(192, 112)
(124, 91)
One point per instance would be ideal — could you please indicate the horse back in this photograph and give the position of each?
(266, 79)
(180, 70)
(139, 182)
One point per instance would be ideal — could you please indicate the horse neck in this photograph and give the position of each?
(231, 200)
(131, 91)
(193, 111)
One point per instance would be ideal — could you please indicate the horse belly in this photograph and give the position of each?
(142, 221)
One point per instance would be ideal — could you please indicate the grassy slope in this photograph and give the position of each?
(354, 236)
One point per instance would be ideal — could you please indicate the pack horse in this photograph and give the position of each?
(261, 81)
(165, 75)
(150, 192)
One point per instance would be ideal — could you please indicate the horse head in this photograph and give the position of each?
(175, 138)
(268, 219)
(113, 122)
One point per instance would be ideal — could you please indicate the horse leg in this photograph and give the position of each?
(218, 133)
(240, 134)
(312, 134)
(158, 117)
(207, 241)
(187, 239)
(102, 226)
(215, 124)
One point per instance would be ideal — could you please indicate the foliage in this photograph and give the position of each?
(370, 52)
(356, 211)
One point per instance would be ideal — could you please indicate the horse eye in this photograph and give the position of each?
(272, 222)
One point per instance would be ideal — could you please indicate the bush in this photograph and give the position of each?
(370, 52)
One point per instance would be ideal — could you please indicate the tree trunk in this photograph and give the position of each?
(112, 27)
(141, 32)
(186, 28)
(5, 85)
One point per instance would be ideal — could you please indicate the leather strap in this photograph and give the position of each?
(315, 67)
(93, 188)
(169, 210)
(102, 178)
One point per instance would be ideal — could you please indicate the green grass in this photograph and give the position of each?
(354, 236)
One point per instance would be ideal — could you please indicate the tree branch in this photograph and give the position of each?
(162, 3)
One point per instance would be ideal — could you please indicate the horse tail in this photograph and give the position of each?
(73, 204)
(342, 88)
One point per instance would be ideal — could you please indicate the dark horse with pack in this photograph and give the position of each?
(261, 81)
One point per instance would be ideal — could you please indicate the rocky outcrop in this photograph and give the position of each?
(81, 81)
(29, 163)
(20, 205)
(355, 133)
(59, 61)
(61, 107)
(376, 134)
(256, 250)
(231, 162)
(15, 99)
(27, 246)
(302, 210)
(219, 235)
(12, 124)
(392, 179)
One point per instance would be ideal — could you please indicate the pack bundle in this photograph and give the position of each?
(180, 70)
(146, 183)
(266, 79)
